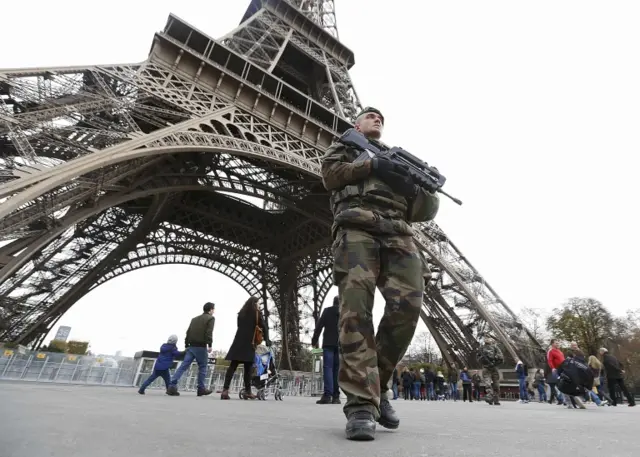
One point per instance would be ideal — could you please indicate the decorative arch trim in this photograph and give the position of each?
(207, 142)
(325, 287)
(248, 282)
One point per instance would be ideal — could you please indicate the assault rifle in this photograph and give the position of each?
(422, 174)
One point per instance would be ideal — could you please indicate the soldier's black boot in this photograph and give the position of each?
(336, 400)
(361, 426)
(324, 400)
(496, 401)
(388, 416)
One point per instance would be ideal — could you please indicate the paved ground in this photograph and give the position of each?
(78, 421)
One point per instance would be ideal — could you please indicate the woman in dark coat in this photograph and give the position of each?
(242, 349)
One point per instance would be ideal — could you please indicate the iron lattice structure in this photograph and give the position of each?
(111, 168)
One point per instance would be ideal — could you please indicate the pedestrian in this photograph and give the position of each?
(330, 352)
(198, 344)
(615, 377)
(243, 348)
(168, 352)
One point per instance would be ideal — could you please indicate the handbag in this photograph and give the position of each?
(258, 335)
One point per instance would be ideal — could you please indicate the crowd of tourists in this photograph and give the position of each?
(572, 380)
(596, 379)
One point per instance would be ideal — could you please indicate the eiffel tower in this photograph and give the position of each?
(207, 153)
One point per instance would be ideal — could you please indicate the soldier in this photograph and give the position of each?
(490, 357)
(373, 203)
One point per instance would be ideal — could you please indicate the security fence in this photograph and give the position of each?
(33, 366)
(20, 365)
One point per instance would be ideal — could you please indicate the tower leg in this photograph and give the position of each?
(289, 316)
(38, 329)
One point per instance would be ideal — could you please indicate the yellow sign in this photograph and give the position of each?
(41, 355)
(72, 358)
(8, 353)
(99, 360)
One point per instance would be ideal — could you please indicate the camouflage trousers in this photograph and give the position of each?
(491, 379)
(361, 262)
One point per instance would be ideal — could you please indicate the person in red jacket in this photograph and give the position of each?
(555, 357)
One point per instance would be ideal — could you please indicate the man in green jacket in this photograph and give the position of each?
(374, 201)
(198, 344)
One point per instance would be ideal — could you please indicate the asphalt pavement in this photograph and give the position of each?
(56, 420)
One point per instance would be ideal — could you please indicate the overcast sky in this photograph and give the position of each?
(529, 108)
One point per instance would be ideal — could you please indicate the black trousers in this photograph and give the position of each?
(612, 383)
(231, 371)
(466, 392)
(553, 396)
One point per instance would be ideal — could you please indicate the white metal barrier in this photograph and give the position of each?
(42, 367)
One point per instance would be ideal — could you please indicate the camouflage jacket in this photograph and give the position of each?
(490, 355)
(360, 200)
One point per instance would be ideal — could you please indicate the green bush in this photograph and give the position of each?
(77, 347)
(57, 346)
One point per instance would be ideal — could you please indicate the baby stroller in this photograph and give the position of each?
(265, 375)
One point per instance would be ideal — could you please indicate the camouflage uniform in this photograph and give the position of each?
(373, 246)
(490, 356)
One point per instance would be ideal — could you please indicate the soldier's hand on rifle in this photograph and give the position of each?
(384, 165)
(396, 176)
(380, 165)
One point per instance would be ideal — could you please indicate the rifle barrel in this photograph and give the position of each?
(455, 200)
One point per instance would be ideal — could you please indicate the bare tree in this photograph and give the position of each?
(535, 319)
(424, 348)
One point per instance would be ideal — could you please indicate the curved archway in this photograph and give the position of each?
(229, 264)
(71, 219)
(115, 202)
(168, 297)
